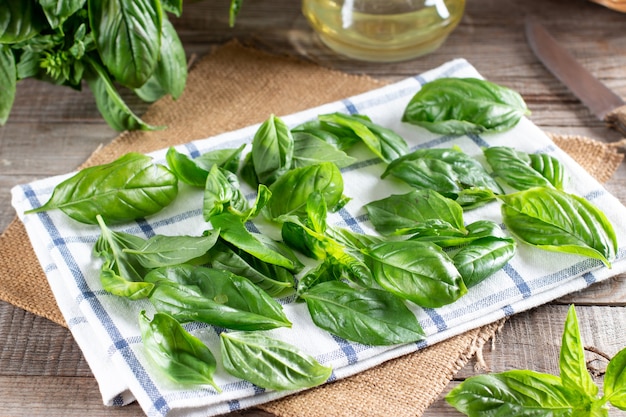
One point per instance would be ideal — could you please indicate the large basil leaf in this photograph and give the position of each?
(523, 171)
(128, 36)
(417, 271)
(554, 220)
(20, 20)
(615, 380)
(310, 150)
(161, 250)
(401, 213)
(457, 106)
(57, 11)
(572, 362)
(272, 150)
(450, 172)
(370, 316)
(270, 363)
(134, 179)
(180, 356)
(294, 188)
(214, 297)
(515, 393)
(111, 105)
(482, 258)
(8, 82)
(383, 142)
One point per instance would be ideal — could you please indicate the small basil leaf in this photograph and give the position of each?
(116, 284)
(270, 363)
(311, 150)
(161, 250)
(572, 362)
(222, 192)
(417, 271)
(227, 159)
(457, 106)
(112, 246)
(57, 11)
(554, 220)
(297, 238)
(615, 380)
(352, 239)
(143, 186)
(516, 169)
(448, 237)
(272, 150)
(327, 271)
(340, 137)
(195, 171)
(370, 316)
(482, 258)
(8, 82)
(180, 356)
(173, 6)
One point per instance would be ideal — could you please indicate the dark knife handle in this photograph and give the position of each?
(616, 119)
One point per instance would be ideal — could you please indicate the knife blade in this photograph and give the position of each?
(601, 101)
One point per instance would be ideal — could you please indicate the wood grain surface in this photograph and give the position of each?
(53, 129)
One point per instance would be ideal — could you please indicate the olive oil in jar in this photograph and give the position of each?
(383, 30)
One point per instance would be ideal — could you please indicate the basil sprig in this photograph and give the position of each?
(525, 392)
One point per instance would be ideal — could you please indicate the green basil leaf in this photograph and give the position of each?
(272, 150)
(214, 297)
(20, 20)
(370, 316)
(482, 258)
(110, 104)
(311, 150)
(449, 237)
(128, 36)
(515, 393)
(8, 82)
(297, 238)
(471, 198)
(233, 231)
(295, 187)
(143, 186)
(447, 171)
(340, 137)
(235, 8)
(116, 284)
(457, 106)
(383, 142)
(352, 239)
(399, 214)
(161, 250)
(554, 220)
(270, 363)
(222, 192)
(275, 280)
(173, 6)
(180, 356)
(327, 271)
(227, 159)
(516, 168)
(615, 380)
(195, 171)
(572, 362)
(417, 271)
(57, 11)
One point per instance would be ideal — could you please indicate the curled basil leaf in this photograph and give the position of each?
(522, 171)
(554, 220)
(368, 316)
(222, 192)
(482, 258)
(195, 171)
(272, 150)
(449, 237)
(458, 106)
(134, 179)
(180, 356)
(311, 150)
(270, 363)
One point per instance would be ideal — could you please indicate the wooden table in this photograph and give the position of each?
(52, 130)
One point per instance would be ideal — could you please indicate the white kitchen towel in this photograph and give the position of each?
(106, 327)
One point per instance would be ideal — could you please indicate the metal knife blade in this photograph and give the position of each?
(601, 101)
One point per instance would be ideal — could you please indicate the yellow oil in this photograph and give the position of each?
(383, 30)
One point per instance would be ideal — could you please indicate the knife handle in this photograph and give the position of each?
(616, 119)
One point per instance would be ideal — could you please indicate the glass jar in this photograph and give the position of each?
(383, 30)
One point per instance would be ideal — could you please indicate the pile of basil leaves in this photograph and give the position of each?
(361, 286)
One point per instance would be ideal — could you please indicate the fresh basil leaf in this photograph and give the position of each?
(227, 159)
(383, 142)
(294, 188)
(482, 258)
(417, 271)
(214, 297)
(8, 82)
(162, 250)
(572, 362)
(311, 150)
(235, 8)
(270, 363)
(134, 179)
(458, 106)
(557, 221)
(367, 316)
(298, 238)
(180, 356)
(446, 237)
(340, 137)
(450, 172)
(128, 35)
(515, 393)
(173, 6)
(57, 11)
(516, 168)
(195, 171)
(272, 150)
(400, 213)
(351, 239)
(20, 20)
(328, 270)
(615, 380)
(116, 284)
(222, 192)
(110, 104)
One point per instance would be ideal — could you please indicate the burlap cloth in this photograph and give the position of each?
(236, 86)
